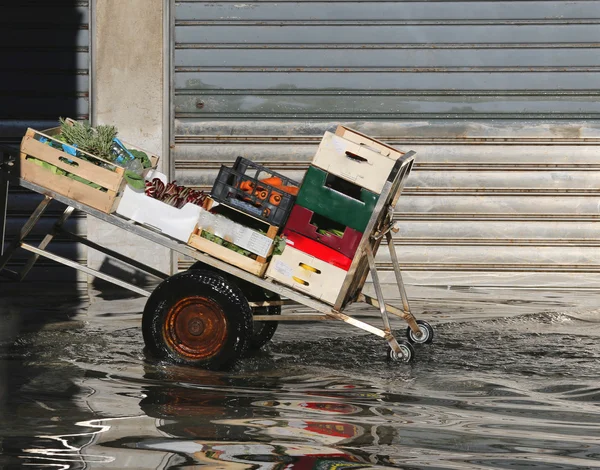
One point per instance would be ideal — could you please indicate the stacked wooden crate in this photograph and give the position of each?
(334, 205)
(253, 205)
(71, 172)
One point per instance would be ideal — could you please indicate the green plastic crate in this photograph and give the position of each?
(343, 202)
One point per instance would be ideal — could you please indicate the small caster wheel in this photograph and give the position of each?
(426, 333)
(408, 353)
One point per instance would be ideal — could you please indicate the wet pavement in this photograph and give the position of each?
(511, 381)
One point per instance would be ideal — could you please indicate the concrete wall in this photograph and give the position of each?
(128, 91)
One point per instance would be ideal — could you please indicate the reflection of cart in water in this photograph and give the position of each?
(302, 430)
(211, 314)
(321, 406)
(206, 425)
(272, 456)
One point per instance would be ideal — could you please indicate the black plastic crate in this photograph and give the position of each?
(243, 188)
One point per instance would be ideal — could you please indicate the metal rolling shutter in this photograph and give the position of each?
(44, 64)
(498, 98)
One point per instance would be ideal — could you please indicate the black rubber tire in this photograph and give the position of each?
(428, 333)
(197, 318)
(407, 350)
(262, 332)
(200, 265)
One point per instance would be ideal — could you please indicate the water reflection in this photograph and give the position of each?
(84, 401)
(320, 407)
(306, 431)
(252, 433)
(244, 455)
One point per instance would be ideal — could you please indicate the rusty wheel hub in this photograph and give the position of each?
(196, 328)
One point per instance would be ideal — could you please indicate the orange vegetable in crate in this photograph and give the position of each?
(275, 198)
(247, 186)
(293, 190)
(273, 181)
(227, 189)
(262, 193)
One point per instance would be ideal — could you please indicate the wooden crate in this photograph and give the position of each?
(364, 164)
(154, 159)
(362, 139)
(108, 176)
(253, 266)
(239, 234)
(307, 274)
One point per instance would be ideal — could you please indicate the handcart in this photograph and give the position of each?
(209, 315)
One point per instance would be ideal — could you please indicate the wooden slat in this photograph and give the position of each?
(103, 201)
(227, 255)
(101, 176)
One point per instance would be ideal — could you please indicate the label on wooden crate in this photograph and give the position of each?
(283, 268)
(235, 233)
(253, 241)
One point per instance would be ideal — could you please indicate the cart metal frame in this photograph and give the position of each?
(378, 230)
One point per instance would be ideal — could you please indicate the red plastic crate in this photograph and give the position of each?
(316, 249)
(301, 221)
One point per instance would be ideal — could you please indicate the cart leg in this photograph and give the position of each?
(85, 269)
(46, 241)
(397, 272)
(378, 291)
(3, 206)
(359, 324)
(397, 351)
(16, 243)
(406, 316)
(410, 319)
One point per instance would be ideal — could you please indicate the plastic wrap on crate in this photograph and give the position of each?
(146, 210)
(316, 249)
(241, 187)
(352, 210)
(235, 233)
(299, 221)
(307, 274)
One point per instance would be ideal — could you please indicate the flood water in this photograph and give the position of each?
(519, 391)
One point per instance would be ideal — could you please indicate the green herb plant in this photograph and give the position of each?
(95, 140)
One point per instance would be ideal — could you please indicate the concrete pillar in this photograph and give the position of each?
(128, 92)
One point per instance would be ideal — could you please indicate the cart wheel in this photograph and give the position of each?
(426, 333)
(408, 353)
(262, 331)
(200, 265)
(197, 318)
